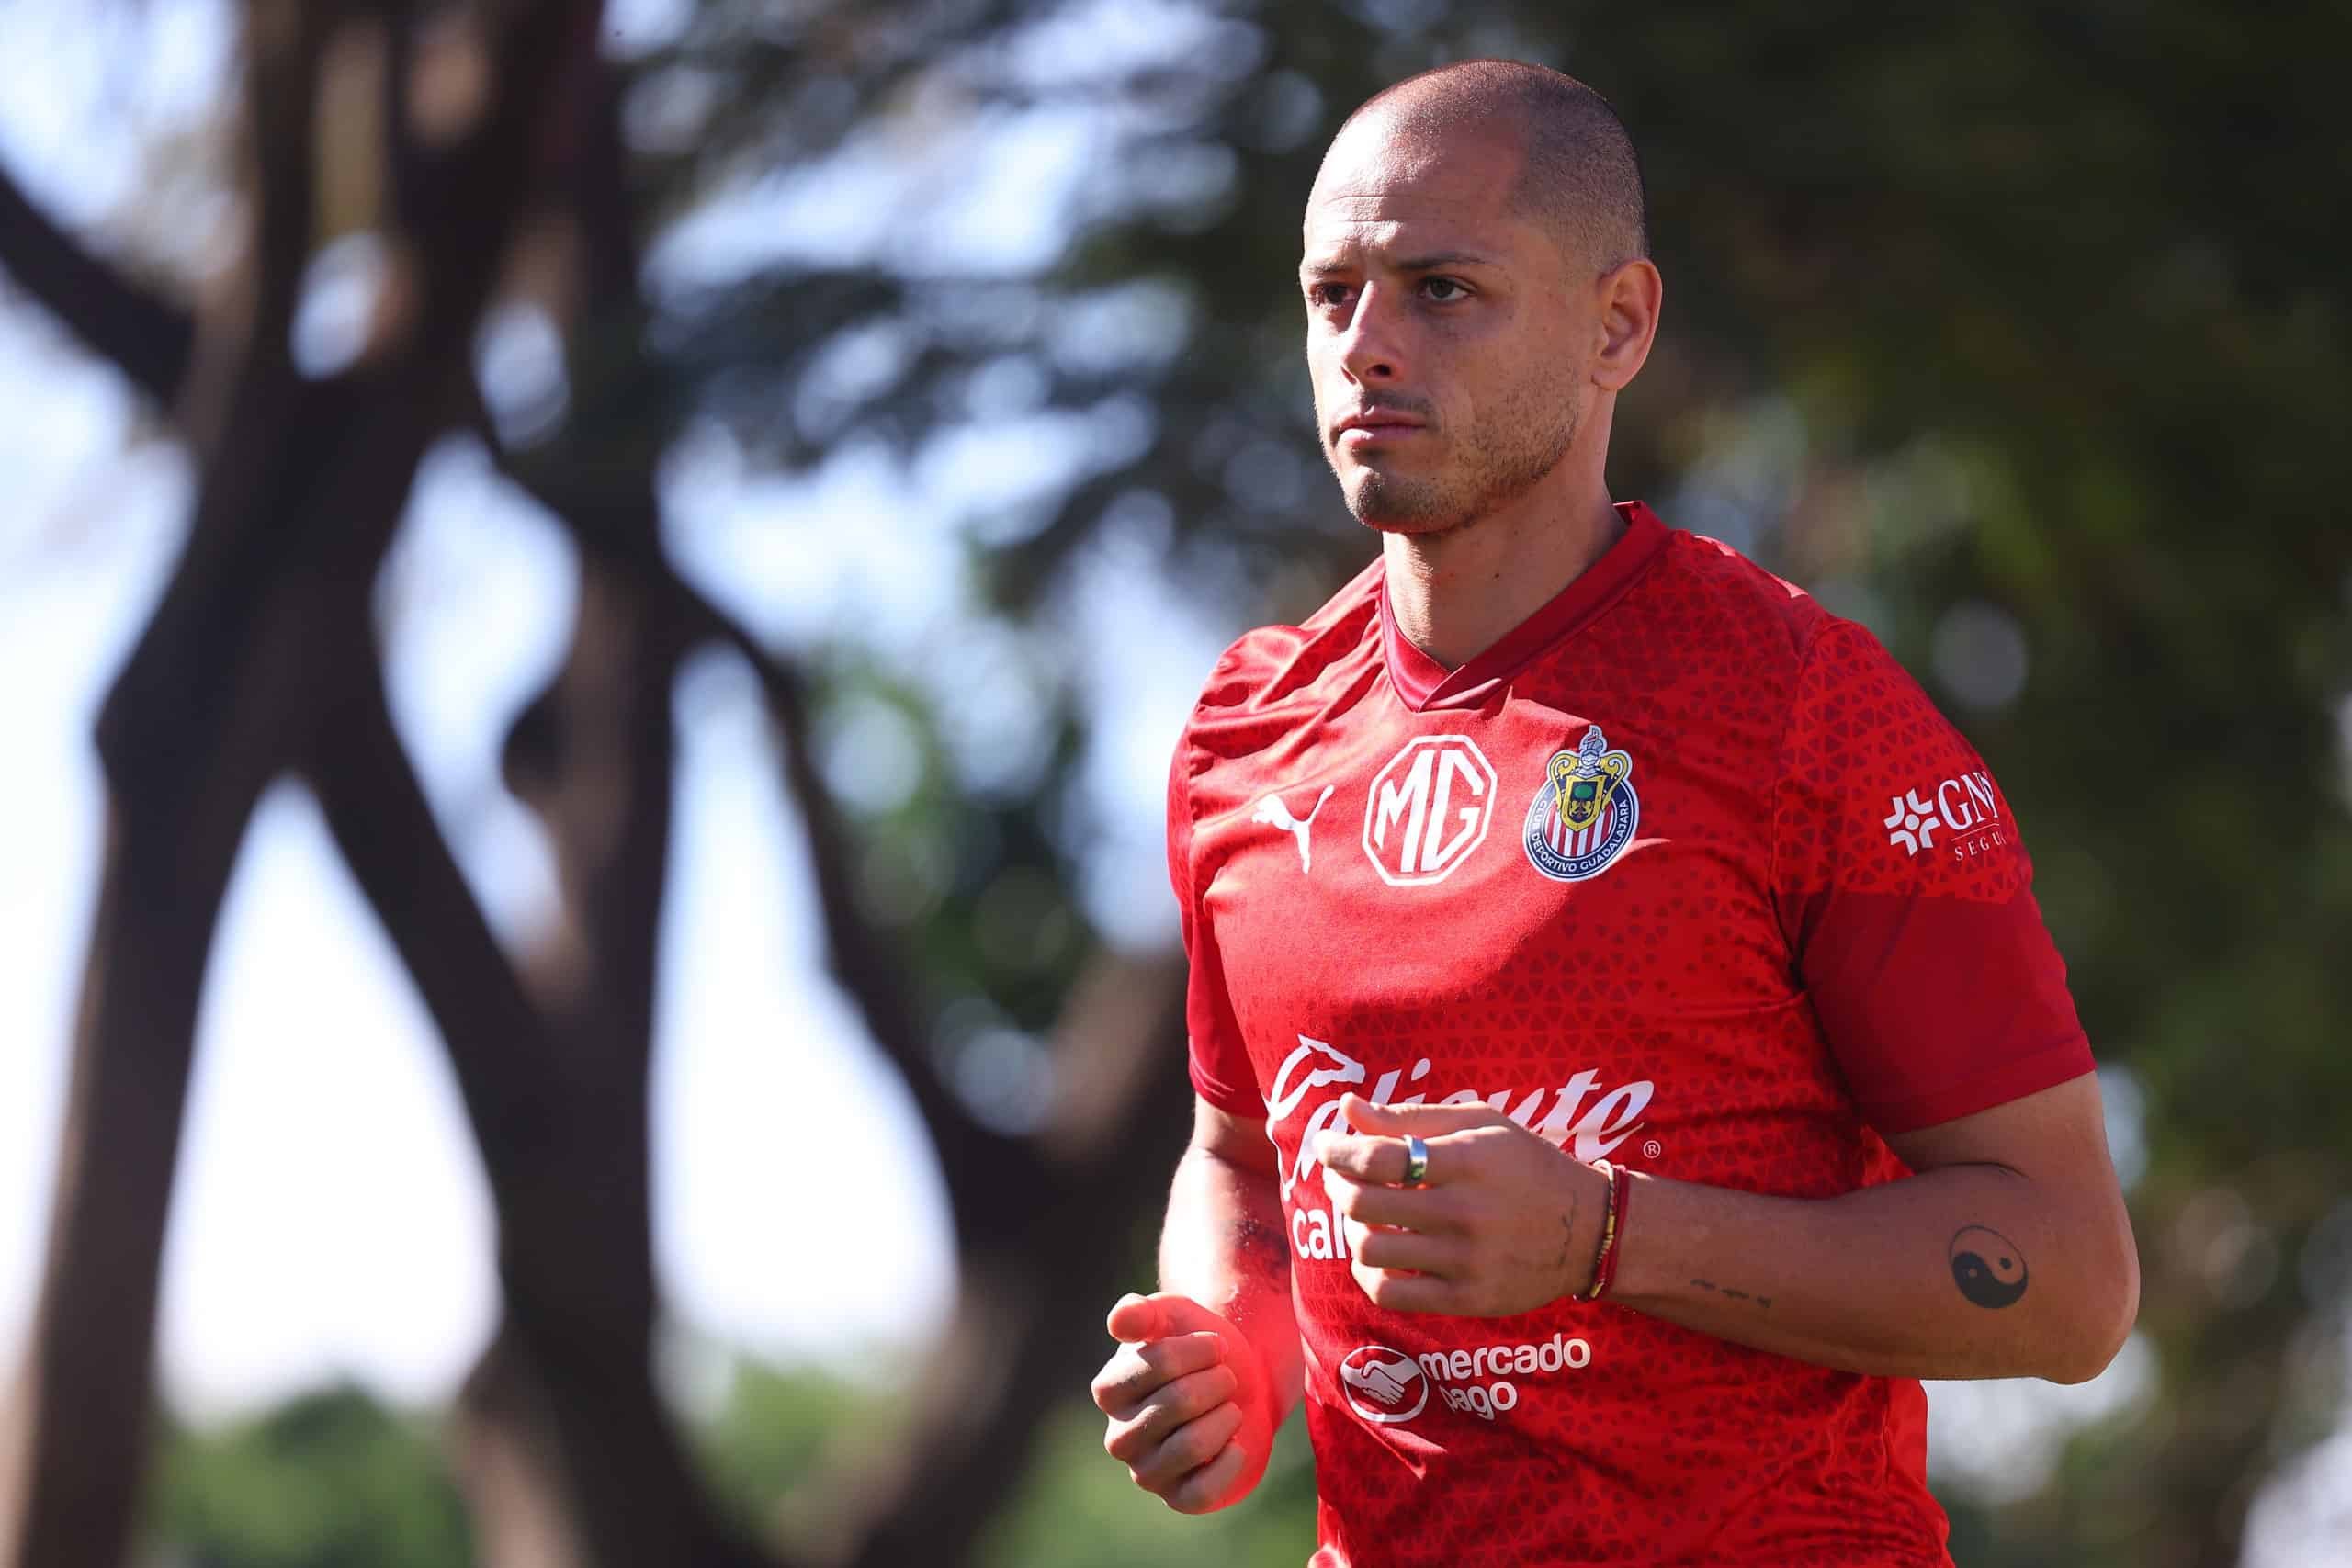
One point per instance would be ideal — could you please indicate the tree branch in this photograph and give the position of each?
(148, 338)
(878, 984)
(547, 1161)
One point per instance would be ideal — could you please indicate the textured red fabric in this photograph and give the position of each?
(1685, 872)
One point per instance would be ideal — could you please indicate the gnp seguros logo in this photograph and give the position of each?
(1967, 808)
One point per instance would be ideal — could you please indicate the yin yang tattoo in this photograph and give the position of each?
(1987, 1266)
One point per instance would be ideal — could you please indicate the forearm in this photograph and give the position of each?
(1223, 1245)
(1883, 1280)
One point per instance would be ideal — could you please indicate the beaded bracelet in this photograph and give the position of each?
(1612, 1229)
(1621, 1197)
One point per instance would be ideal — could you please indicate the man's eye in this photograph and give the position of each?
(1443, 289)
(1328, 294)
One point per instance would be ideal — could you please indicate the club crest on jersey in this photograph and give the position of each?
(1584, 812)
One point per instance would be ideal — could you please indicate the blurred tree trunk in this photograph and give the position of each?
(261, 660)
(249, 661)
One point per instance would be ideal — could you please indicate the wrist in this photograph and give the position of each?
(1264, 1352)
(1587, 1210)
(1616, 1199)
(1637, 1253)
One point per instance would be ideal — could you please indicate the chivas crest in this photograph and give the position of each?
(1583, 816)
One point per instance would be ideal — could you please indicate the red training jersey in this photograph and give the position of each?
(1685, 872)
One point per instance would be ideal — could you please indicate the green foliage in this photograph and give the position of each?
(775, 1426)
(327, 1479)
(1079, 1510)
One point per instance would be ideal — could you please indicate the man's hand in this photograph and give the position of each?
(1506, 1222)
(1190, 1412)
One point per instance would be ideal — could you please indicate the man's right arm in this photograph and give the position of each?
(1207, 1369)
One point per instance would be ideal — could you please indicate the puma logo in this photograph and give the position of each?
(1273, 810)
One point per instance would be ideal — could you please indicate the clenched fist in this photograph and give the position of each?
(1190, 1412)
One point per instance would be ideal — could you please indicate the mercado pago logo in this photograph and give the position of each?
(1387, 1387)
(1578, 1115)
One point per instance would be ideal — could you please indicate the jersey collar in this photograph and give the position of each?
(1423, 683)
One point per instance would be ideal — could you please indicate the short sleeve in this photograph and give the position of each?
(1907, 898)
(1220, 1067)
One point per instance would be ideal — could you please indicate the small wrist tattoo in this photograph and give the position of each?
(1732, 1292)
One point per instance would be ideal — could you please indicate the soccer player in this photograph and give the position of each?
(1628, 1054)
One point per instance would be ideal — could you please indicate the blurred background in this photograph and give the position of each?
(594, 599)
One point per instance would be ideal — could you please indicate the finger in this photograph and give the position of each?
(1432, 1209)
(1427, 1121)
(1187, 1448)
(1132, 1438)
(1135, 1371)
(1406, 1292)
(1378, 1160)
(1443, 1256)
(1365, 1159)
(1205, 1488)
(1140, 1318)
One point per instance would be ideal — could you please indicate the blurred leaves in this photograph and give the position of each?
(328, 1480)
(2016, 333)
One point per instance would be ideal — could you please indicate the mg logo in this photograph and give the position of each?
(1427, 810)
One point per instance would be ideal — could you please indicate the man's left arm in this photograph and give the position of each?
(2007, 1254)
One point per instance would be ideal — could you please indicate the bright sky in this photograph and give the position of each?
(331, 1217)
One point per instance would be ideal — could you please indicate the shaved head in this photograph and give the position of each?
(1578, 177)
(1478, 290)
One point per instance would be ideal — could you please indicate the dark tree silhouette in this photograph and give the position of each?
(260, 662)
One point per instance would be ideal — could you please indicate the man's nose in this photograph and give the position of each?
(1372, 347)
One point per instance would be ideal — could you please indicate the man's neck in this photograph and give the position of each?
(1456, 594)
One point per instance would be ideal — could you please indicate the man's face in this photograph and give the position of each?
(1454, 329)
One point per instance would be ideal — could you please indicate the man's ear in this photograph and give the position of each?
(1629, 298)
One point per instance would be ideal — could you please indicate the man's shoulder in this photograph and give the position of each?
(1265, 667)
(1717, 610)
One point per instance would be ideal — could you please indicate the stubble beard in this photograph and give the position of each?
(1502, 460)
